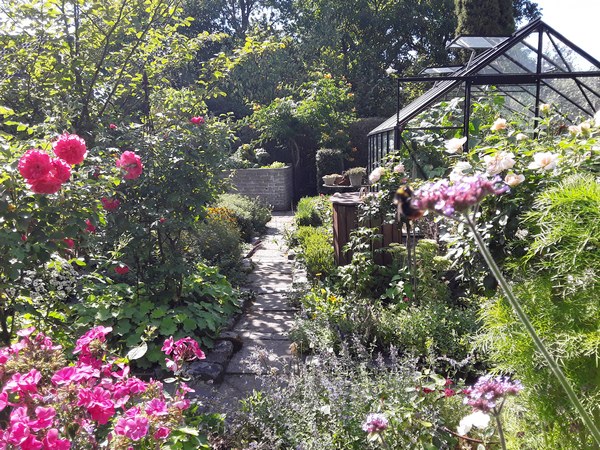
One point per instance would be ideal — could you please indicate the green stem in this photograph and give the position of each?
(554, 367)
(500, 429)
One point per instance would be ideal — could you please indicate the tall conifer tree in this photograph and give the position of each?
(484, 17)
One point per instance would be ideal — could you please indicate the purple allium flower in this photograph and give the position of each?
(463, 193)
(375, 423)
(484, 395)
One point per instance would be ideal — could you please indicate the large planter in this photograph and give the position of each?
(356, 179)
(273, 186)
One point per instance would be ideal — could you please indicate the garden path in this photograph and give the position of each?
(265, 323)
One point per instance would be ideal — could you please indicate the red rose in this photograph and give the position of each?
(122, 269)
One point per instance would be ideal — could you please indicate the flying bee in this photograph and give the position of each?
(402, 199)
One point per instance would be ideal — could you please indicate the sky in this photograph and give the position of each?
(577, 20)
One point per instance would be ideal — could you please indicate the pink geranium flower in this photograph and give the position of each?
(135, 428)
(24, 383)
(52, 442)
(70, 148)
(131, 165)
(97, 333)
(44, 418)
(162, 433)
(156, 407)
(98, 403)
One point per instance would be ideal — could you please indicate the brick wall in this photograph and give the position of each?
(273, 186)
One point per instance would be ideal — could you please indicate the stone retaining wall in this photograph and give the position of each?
(273, 186)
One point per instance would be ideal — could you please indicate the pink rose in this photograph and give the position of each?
(112, 126)
(61, 170)
(48, 184)
(90, 228)
(197, 120)
(122, 269)
(34, 164)
(69, 242)
(110, 204)
(70, 148)
(131, 165)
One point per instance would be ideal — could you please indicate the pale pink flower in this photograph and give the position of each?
(399, 168)
(376, 175)
(545, 108)
(521, 137)
(375, 423)
(575, 130)
(455, 145)
(544, 161)
(498, 163)
(499, 124)
(597, 118)
(512, 179)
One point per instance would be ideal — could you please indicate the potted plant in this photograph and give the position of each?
(356, 175)
(329, 180)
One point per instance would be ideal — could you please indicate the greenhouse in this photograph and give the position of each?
(535, 66)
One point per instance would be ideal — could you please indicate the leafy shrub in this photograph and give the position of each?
(328, 161)
(313, 212)
(251, 214)
(275, 165)
(326, 403)
(316, 250)
(205, 304)
(557, 285)
(217, 239)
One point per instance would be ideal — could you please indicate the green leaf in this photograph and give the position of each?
(168, 326)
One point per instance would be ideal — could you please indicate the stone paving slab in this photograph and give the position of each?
(256, 335)
(275, 280)
(266, 322)
(267, 268)
(271, 302)
(271, 350)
